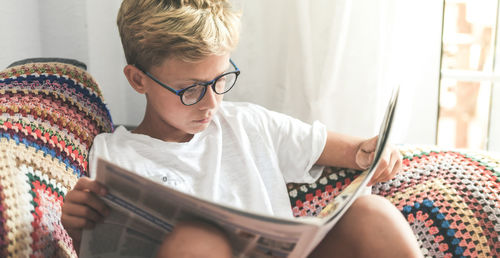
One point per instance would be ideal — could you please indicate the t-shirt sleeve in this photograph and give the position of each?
(98, 150)
(298, 145)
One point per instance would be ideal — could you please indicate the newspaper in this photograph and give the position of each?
(143, 212)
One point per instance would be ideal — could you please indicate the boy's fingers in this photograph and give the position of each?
(76, 223)
(388, 167)
(397, 168)
(382, 170)
(389, 172)
(87, 184)
(86, 212)
(397, 164)
(87, 199)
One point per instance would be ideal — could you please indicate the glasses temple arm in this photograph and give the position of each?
(236, 67)
(157, 81)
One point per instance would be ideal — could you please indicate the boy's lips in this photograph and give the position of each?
(204, 120)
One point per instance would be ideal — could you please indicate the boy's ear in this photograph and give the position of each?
(136, 78)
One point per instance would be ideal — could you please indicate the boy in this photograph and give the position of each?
(178, 55)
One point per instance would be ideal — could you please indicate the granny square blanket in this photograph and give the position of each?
(449, 197)
(50, 113)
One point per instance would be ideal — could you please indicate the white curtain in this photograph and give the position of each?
(314, 60)
(333, 61)
(336, 61)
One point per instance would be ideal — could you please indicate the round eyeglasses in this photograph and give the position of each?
(194, 93)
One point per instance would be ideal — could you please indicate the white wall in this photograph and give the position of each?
(106, 62)
(32, 29)
(82, 30)
(18, 43)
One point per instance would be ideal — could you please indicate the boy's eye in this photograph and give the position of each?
(220, 85)
(193, 92)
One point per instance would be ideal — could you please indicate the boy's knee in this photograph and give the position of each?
(195, 239)
(371, 205)
(376, 223)
(371, 212)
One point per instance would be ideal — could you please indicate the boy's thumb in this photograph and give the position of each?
(364, 159)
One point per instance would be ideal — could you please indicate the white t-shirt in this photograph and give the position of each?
(243, 159)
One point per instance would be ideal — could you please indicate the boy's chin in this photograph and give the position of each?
(198, 129)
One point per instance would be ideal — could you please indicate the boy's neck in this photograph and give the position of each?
(161, 133)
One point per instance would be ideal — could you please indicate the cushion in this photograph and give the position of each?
(449, 197)
(50, 113)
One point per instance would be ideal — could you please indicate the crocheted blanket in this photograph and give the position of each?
(449, 197)
(50, 113)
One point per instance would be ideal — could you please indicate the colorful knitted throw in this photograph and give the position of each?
(450, 198)
(50, 113)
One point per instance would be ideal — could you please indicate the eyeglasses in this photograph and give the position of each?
(194, 93)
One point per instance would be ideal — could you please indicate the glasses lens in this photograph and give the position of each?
(193, 94)
(225, 83)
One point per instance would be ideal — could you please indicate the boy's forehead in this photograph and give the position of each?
(206, 67)
(212, 59)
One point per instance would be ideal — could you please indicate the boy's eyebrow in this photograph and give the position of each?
(199, 80)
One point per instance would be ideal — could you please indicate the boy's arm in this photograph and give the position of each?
(353, 152)
(340, 151)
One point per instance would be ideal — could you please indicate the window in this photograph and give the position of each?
(469, 76)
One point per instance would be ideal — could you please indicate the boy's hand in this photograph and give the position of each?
(82, 208)
(389, 165)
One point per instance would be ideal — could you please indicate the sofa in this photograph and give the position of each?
(52, 110)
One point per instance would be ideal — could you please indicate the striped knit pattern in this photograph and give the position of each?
(450, 198)
(50, 113)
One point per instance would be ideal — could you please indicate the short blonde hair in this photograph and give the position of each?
(153, 30)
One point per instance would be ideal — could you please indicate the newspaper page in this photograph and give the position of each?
(143, 212)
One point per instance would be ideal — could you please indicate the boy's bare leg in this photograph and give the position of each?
(372, 227)
(195, 239)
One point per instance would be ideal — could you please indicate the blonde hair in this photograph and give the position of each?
(153, 30)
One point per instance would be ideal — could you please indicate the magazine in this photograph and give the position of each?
(143, 212)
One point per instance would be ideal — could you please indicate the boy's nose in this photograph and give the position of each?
(209, 101)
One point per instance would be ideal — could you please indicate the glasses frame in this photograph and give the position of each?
(211, 83)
